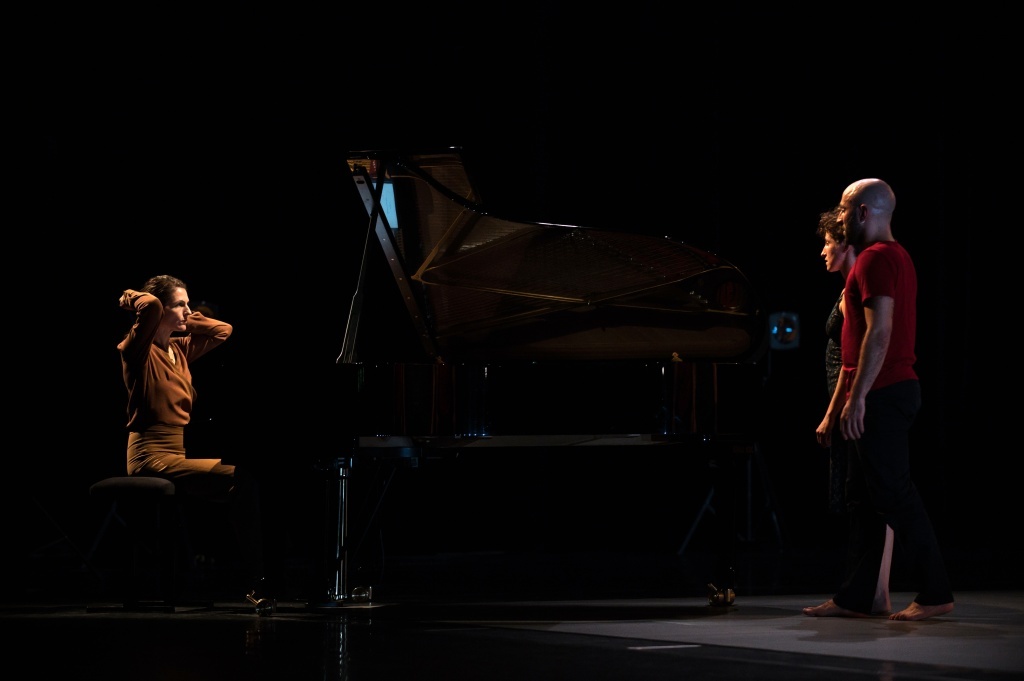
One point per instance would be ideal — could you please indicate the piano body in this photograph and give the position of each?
(522, 334)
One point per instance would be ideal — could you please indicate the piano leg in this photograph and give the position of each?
(732, 466)
(725, 481)
(336, 539)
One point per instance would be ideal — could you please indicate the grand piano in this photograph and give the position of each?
(509, 333)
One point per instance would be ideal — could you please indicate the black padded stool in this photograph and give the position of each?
(147, 509)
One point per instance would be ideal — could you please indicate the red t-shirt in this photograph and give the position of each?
(883, 269)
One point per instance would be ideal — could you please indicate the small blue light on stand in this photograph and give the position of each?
(784, 330)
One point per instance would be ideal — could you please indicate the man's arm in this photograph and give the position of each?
(878, 320)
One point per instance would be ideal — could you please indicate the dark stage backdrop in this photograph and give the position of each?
(212, 147)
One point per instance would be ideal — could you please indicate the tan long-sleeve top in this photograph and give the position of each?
(160, 392)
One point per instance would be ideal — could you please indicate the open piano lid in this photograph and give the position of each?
(480, 287)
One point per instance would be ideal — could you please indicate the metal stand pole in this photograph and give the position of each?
(337, 568)
(336, 539)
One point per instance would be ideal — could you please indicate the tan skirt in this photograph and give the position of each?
(159, 451)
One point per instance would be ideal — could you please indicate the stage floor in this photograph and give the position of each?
(758, 637)
(531, 617)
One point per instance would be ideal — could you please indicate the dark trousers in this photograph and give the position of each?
(880, 491)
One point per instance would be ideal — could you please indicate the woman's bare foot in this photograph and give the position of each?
(830, 609)
(916, 611)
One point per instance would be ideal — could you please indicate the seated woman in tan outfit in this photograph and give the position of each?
(165, 339)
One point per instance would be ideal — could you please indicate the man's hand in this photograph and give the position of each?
(851, 421)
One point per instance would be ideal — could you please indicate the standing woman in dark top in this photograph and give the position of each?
(155, 357)
(839, 257)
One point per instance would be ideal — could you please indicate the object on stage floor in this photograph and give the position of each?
(506, 333)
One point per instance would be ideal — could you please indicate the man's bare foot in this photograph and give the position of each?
(830, 609)
(916, 611)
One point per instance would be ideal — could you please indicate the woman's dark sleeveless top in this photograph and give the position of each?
(833, 349)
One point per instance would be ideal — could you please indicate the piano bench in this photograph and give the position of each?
(147, 510)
